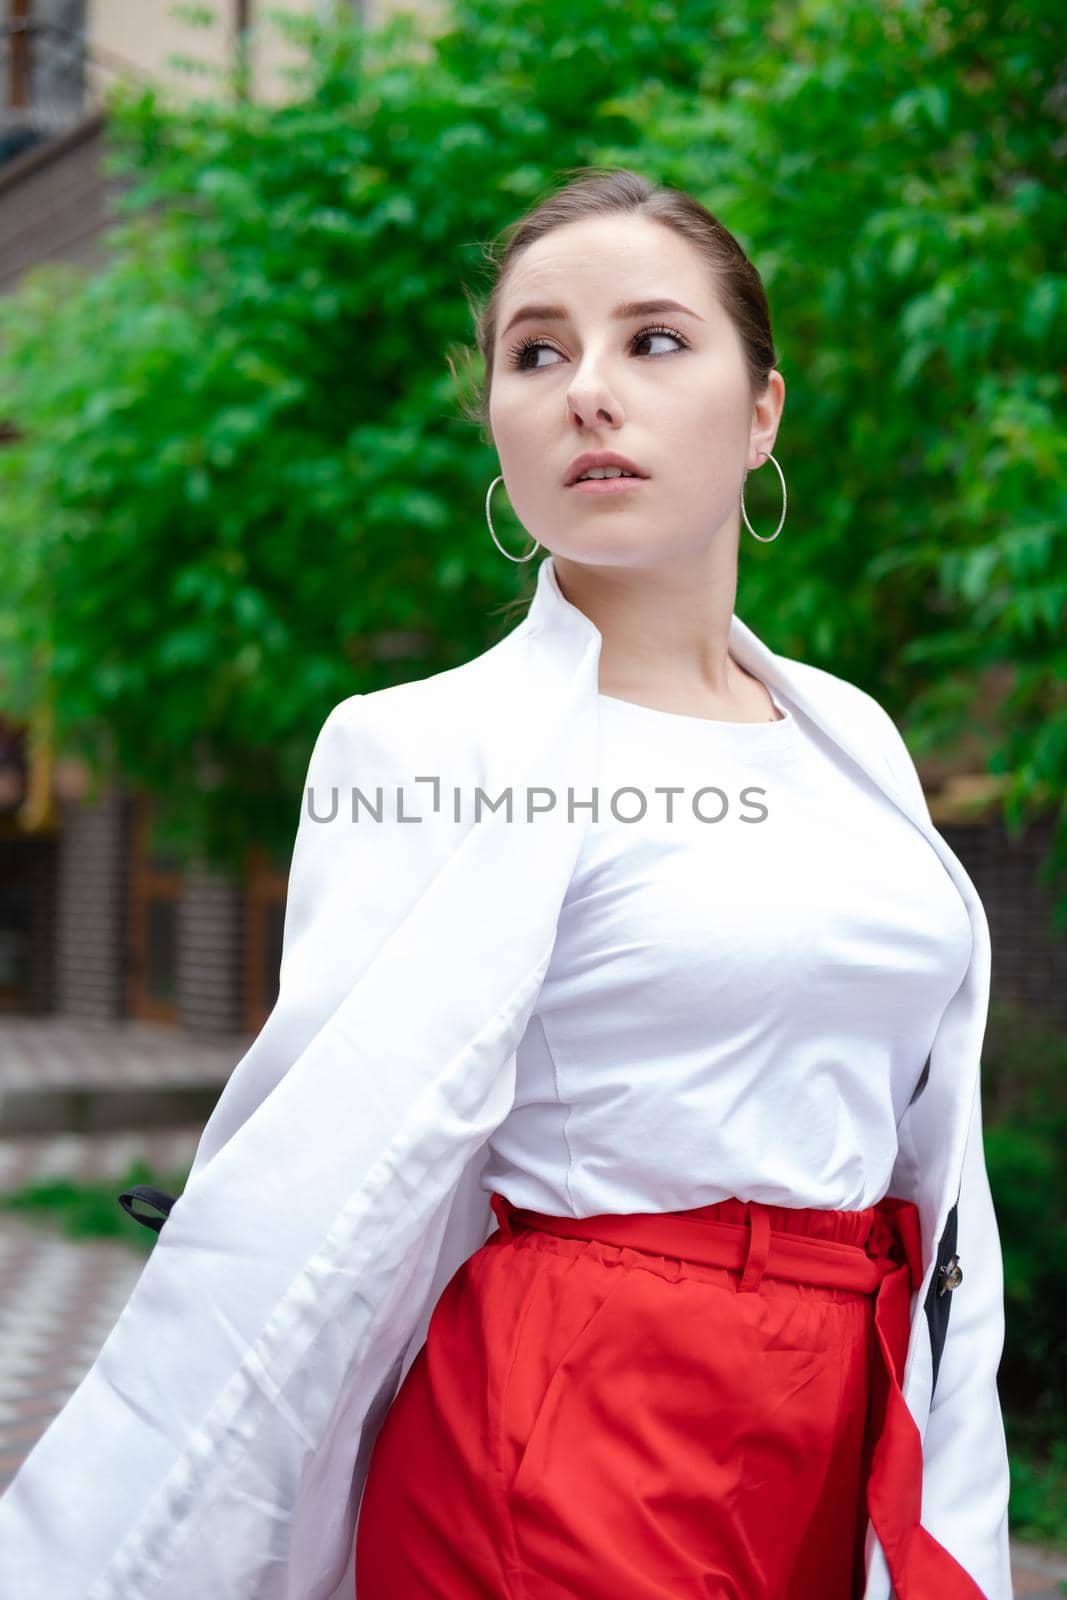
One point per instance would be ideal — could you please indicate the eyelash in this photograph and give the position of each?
(518, 351)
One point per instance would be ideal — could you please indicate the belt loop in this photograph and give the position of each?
(759, 1243)
(500, 1206)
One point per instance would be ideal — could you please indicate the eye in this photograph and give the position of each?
(659, 333)
(518, 352)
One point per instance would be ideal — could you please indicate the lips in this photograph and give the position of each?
(600, 458)
(599, 487)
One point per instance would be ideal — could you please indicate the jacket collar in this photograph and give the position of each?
(826, 701)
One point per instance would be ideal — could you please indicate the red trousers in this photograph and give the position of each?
(702, 1403)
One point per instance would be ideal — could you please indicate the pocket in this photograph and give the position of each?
(555, 1330)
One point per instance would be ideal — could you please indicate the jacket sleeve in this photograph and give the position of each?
(215, 1445)
(350, 883)
(966, 1475)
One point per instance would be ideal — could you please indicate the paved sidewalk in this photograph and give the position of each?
(1038, 1573)
(83, 1100)
(60, 1297)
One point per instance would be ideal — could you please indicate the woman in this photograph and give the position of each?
(734, 1013)
(716, 1073)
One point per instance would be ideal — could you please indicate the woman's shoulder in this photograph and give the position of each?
(444, 714)
(836, 691)
(870, 718)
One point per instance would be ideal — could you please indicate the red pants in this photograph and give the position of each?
(702, 1403)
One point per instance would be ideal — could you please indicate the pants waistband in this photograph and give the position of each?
(753, 1248)
(888, 1265)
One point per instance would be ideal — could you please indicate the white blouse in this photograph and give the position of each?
(747, 977)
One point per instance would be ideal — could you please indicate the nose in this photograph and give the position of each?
(586, 410)
(590, 400)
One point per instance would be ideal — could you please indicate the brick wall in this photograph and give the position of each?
(91, 922)
(1029, 956)
(210, 953)
(40, 860)
(28, 901)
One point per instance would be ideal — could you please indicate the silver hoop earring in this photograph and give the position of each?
(765, 538)
(492, 530)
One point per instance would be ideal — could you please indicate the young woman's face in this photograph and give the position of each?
(667, 388)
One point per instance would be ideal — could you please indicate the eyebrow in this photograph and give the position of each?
(622, 313)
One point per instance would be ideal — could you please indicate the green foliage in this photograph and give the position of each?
(1038, 1490)
(244, 487)
(91, 1210)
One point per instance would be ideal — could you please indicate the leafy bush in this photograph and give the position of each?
(243, 487)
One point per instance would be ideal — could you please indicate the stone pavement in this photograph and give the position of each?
(1038, 1573)
(60, 1297)
(83, 1100)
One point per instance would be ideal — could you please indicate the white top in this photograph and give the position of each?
(746, 980)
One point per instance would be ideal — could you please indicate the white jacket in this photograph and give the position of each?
(218, 1445)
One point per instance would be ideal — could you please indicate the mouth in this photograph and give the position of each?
(605, 485)
(602, 466)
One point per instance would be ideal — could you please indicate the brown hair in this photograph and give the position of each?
(602, 191)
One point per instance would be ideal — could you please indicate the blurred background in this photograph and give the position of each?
(239, 250)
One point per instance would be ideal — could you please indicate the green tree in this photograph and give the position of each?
(243, 485)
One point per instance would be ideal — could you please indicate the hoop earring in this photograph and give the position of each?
(765, 538)
(492, 530)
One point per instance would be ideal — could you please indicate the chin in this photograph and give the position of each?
(608, 549)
